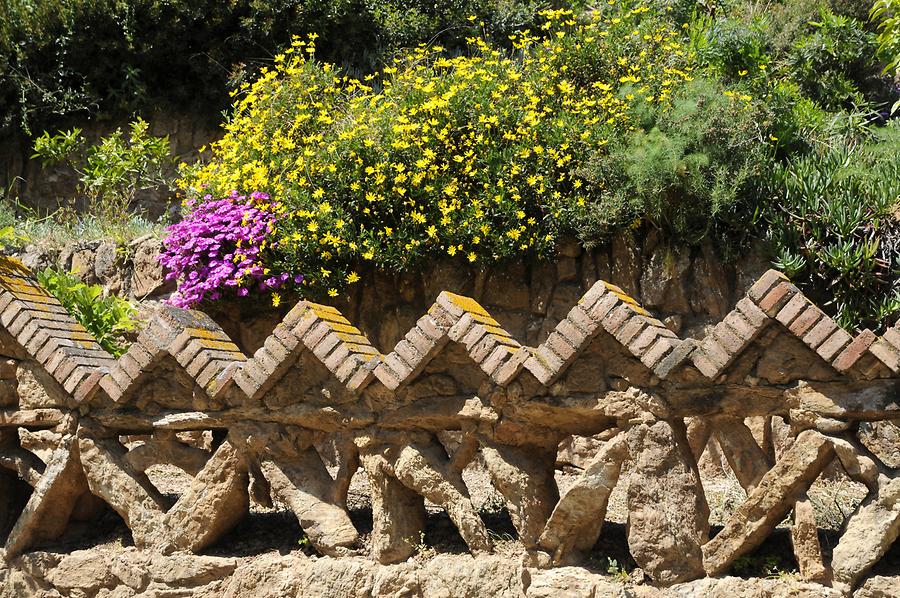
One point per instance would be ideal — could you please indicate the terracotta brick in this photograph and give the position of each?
(496, 358)
(889, 356)
(706, 367)
(326, 345)
(66, 367)
(511, 367)
(560, 347)
(602, 308)
(315, 335)
(578, 317)
(597, 290)
(277, 350)
(337, 357)
(129, 366)
(50, 347)
(86, 391)
(777, 297)
(831, 347)
(658, 351)
(573, 334)
(617, 318)
(847, 358)
(388, 377)
(20, 322)
(209, 373)
(121, 377)
(141, 356)
(431, 329)
(728, 339)
(819, 333)
(679, 354)
(716, 353)
(741, 326)
(630, 330)
(644, 340)
(792, 309)
(806, 320)
(475, 334)
(397, 365)
(75, 378)
(112, 390)
(764, 284)
(892, 335)
(462, 327)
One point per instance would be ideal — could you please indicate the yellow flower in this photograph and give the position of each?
(332, 293)
(276, 299)
(352, 277)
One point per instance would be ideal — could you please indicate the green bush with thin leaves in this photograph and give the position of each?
(833, 227)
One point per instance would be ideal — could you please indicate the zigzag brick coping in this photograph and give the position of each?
(609, 367)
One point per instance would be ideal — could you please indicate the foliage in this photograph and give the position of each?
(833, 225)
(76, 58)
(474, 155)
(108, 319)
(887, 13)
(687, 170)
(113, 170)
(219, 248)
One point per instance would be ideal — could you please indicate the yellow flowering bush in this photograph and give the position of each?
(475, 156)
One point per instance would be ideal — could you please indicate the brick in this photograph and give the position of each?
(129, 366)
(423, 344)
(561, 347)
(550, 359)
(293, 316)
(483, 349)
(500, 354)
(597, 290)
(37, 342)
(315, 335)
(580, 318)
(644, 340)
(792, 309)
(461, 328)
(388, 377)
(728, 339)
(337, 357)
(429, 328)
(209, 373)
(539, 369)
(615, 319)
(408, 353)
(442, 317)
(511, 367)
(892, 335)
(66, 367)
(120, 377)
(286, 337)
(324, 347)
(75, 378)
(716, 353)
(265, 360)
(764, 284)
(475, 334)
(675, 358)
(847, 358)
(143, 357)
(889, 356)
(112, 390)
(20, 322)
(363, 375)
(602, 308)
(831, 347)
(52, 345)
(573, 334)
(806, 320)
(13, 311)
(706, 367)
(777, 297)
(741, 326)
(819, 333)
(630, 330)
(658, 351)
(397, 365)
(278, 351)
(86, 391)
(346, 369)
(445, 301)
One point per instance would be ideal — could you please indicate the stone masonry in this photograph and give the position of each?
(608, 367)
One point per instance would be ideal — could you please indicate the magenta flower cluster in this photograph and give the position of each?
(217, 249)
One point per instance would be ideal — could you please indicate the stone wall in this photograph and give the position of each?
(317, 401)
(47, 188)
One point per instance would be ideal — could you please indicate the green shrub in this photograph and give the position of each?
(833, 226)
(108, 319)
(113, 170)
(473, 155)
